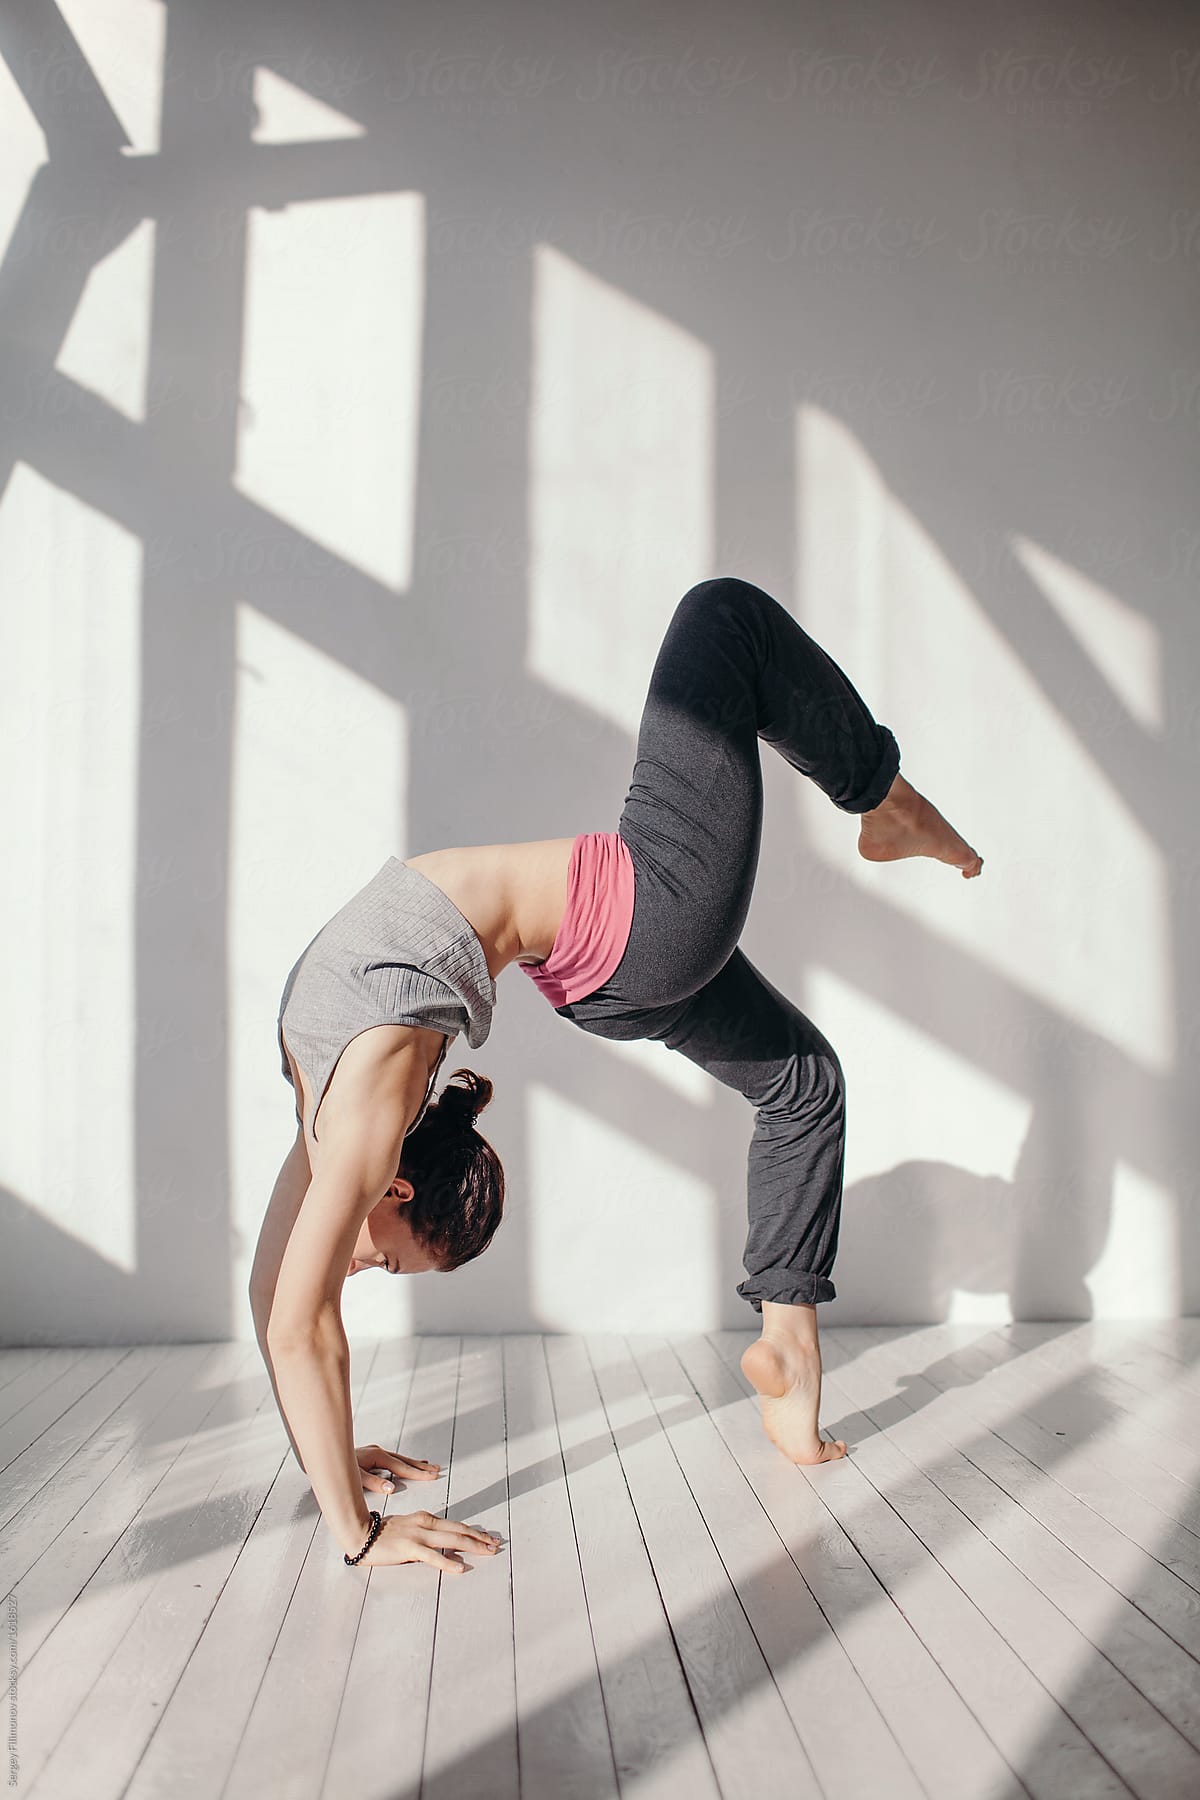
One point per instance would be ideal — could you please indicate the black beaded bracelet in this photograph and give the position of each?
(376, 1528)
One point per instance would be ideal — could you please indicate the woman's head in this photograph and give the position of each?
(447, 1196)
(457, 1178)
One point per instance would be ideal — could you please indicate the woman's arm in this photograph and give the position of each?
(308, 1349)
(357, 1159)
(287, 1196)
(262, 1313)
(312, 1377)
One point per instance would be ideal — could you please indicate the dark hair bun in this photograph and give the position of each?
(457, 1177)
(468, 1100)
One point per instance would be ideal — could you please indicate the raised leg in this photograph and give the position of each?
(734, 665)
(734, 668)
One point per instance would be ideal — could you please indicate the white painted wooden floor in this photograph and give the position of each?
(997, 1593)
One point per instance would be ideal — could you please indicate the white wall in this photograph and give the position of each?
(375, 381)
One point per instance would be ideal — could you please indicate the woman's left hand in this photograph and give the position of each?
(371, 1458)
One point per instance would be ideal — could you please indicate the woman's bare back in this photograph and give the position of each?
(512, 895)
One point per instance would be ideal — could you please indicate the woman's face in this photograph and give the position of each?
(385, 1240)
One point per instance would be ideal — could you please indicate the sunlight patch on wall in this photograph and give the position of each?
(331, 374)
(107, 344)
(620, 1239)
(620, 514)
(123, 42)
(376, 1304)
(1139, 1273)
(979, 1309)
(935, 1216)
(70, 704)
(1072, 905)
(1124, 645)
(286, 114)
(909, 1096)
(319, 786)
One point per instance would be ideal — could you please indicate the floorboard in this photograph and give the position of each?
(995, 1593)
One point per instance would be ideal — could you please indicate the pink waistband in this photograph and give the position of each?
(594, 929)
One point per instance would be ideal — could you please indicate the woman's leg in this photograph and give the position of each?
(733, 667)
(751, 1037)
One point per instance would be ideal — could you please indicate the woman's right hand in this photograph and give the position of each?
(424, 1537)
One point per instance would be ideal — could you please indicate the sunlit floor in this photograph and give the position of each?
(996, 1593)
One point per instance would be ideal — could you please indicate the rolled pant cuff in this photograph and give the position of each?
(796, 1290)
(876, 789)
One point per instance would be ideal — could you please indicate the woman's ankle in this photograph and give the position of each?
(792, 1327)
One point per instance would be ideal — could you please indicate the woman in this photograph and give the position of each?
(630, 934)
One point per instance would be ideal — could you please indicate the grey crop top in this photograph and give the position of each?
(398, 952)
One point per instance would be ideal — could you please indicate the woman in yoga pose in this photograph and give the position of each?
(630, 934)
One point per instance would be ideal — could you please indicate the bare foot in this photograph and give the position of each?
(906, 824)
(788, 1378)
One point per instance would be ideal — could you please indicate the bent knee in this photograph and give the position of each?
(810, 1085)
(726, 587)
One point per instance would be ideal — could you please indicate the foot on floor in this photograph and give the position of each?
(788, 1379)
(906, 824)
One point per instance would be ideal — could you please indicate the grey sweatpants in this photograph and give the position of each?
(734, 666)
